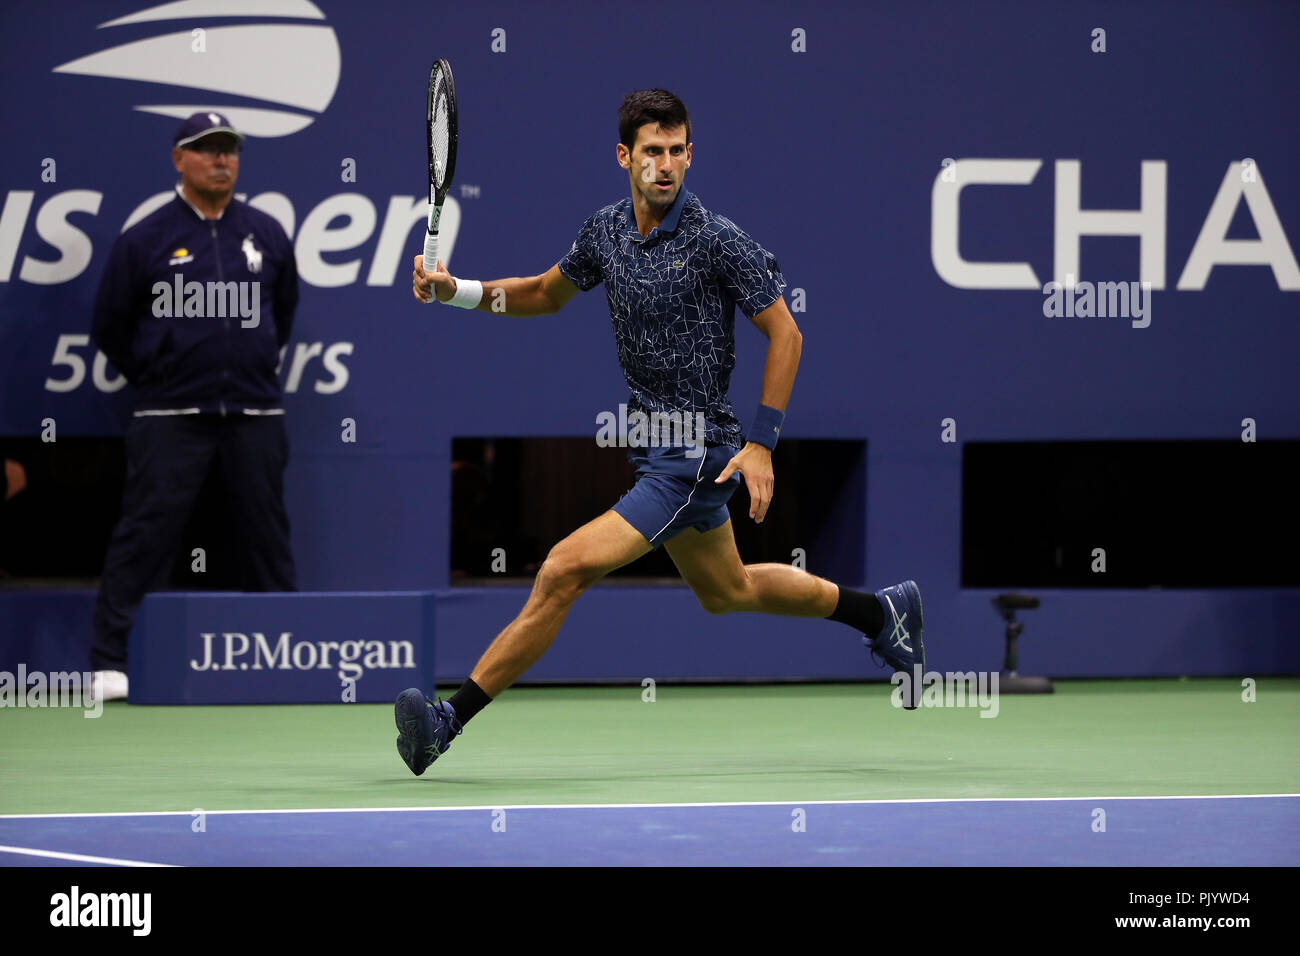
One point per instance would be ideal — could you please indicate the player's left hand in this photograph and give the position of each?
(755, 463)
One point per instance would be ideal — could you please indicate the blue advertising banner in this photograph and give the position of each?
(216, 648)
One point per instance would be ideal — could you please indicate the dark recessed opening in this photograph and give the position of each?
(523, 495)
(56, 530)
(1175, 514)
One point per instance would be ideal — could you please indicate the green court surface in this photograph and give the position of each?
(605, 745)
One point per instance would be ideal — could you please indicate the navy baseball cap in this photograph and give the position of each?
(204, 124)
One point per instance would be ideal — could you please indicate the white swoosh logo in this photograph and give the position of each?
(222, 8)
(292, 65)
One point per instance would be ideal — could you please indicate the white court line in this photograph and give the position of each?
(76, 857)
(636, 806)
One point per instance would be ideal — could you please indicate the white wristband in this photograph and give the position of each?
(468, 294)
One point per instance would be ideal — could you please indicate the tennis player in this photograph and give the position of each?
(674, 273)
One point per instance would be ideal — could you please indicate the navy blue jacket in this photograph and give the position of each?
(204, 361)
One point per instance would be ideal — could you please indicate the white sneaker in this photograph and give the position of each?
(108, 685)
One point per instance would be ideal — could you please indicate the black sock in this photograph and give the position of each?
(860, 611)
(470, 699)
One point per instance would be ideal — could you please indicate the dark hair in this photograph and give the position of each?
(650, 106)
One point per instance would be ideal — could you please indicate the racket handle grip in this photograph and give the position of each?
(431, 240)
(430, 257)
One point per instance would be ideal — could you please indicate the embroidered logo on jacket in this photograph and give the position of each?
(251, 253)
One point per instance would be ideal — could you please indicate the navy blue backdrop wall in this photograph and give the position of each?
(823, 132)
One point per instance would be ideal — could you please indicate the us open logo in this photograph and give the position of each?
(293, 68)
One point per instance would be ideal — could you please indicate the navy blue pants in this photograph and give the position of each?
(167, 461)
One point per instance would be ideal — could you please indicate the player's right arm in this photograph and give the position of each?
(545, 294)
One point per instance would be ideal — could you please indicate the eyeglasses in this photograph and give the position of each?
(214, 149)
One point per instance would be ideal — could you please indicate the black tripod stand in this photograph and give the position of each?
(1010, 682)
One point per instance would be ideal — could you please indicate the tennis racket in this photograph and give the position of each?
(441, 128)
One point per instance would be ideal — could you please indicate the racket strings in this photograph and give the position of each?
(440, 136)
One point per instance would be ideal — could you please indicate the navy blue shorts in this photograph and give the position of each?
(674, 492)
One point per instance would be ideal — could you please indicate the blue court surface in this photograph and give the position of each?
(1138, 831)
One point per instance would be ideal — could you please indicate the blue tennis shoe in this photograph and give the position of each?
(424, 729)
(899, 642)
